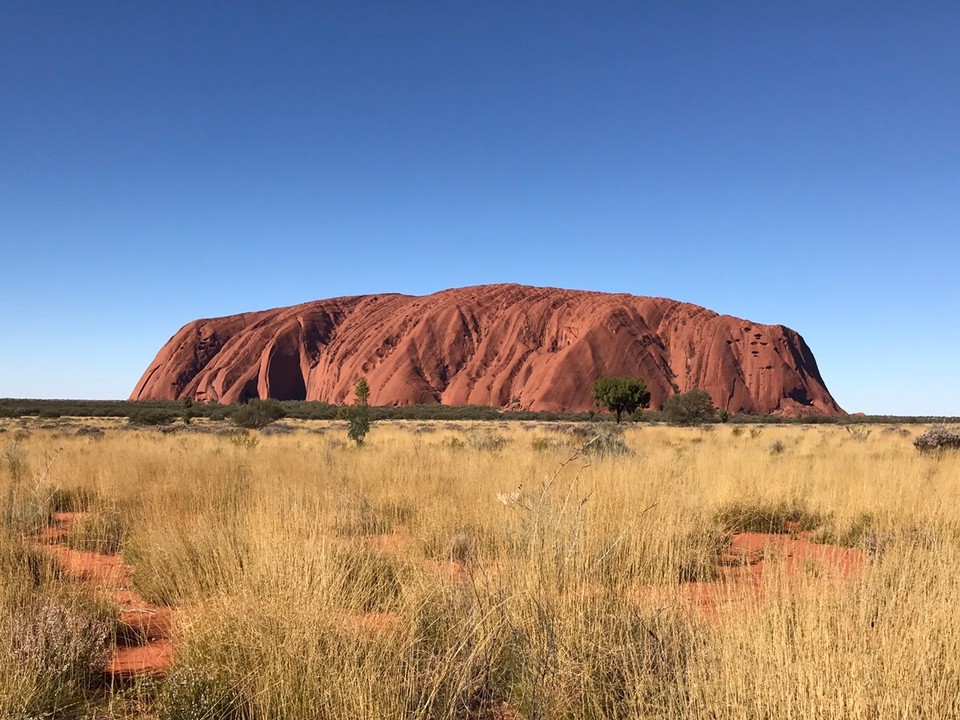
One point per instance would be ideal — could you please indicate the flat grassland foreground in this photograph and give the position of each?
(458, 570)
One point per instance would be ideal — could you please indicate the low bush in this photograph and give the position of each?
(486, 442)
(257, 414)
(858, 433)
(693, 407)
(277, 429)
(544, 444)
(937, 439)
(50, 651)
(192, 692)
(151, 416)
(453, 443)
(600, 438)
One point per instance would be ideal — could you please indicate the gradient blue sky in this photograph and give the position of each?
(794, 163)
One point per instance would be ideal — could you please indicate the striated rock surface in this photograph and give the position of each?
(501, 345)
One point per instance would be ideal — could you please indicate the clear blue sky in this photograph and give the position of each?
(794, 163)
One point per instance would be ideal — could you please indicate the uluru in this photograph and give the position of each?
(508, 346)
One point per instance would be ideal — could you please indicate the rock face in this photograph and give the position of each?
(501, 345)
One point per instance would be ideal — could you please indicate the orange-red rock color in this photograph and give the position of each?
(499, 345)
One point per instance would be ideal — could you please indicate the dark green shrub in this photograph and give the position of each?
(693, 407)
(187, 411)
(257, 414)
(151, 416)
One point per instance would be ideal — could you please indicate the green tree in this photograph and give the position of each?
(621, 394)
(693, 407)
(359, 415)
(257, 414)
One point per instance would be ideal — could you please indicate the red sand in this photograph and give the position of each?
(143, 645)
(753, 556)
(143, 629)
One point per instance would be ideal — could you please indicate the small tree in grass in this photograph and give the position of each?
(359, 415)
(257, 414)
(693, 407)
(621, 394)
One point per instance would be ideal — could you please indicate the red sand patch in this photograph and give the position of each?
(143, 646)
(754, 551)
(752, 556)
(151, 659)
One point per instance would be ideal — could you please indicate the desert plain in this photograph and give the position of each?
(477, 570)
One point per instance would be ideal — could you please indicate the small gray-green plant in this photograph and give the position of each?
(244, 440)
(486, 441)
(453, 443)
(936, 440)
(198, 693)
(600, 438)
(858, 433)
(544, 444)
(50, 650)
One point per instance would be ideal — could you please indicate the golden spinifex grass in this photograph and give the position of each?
(475, 570)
